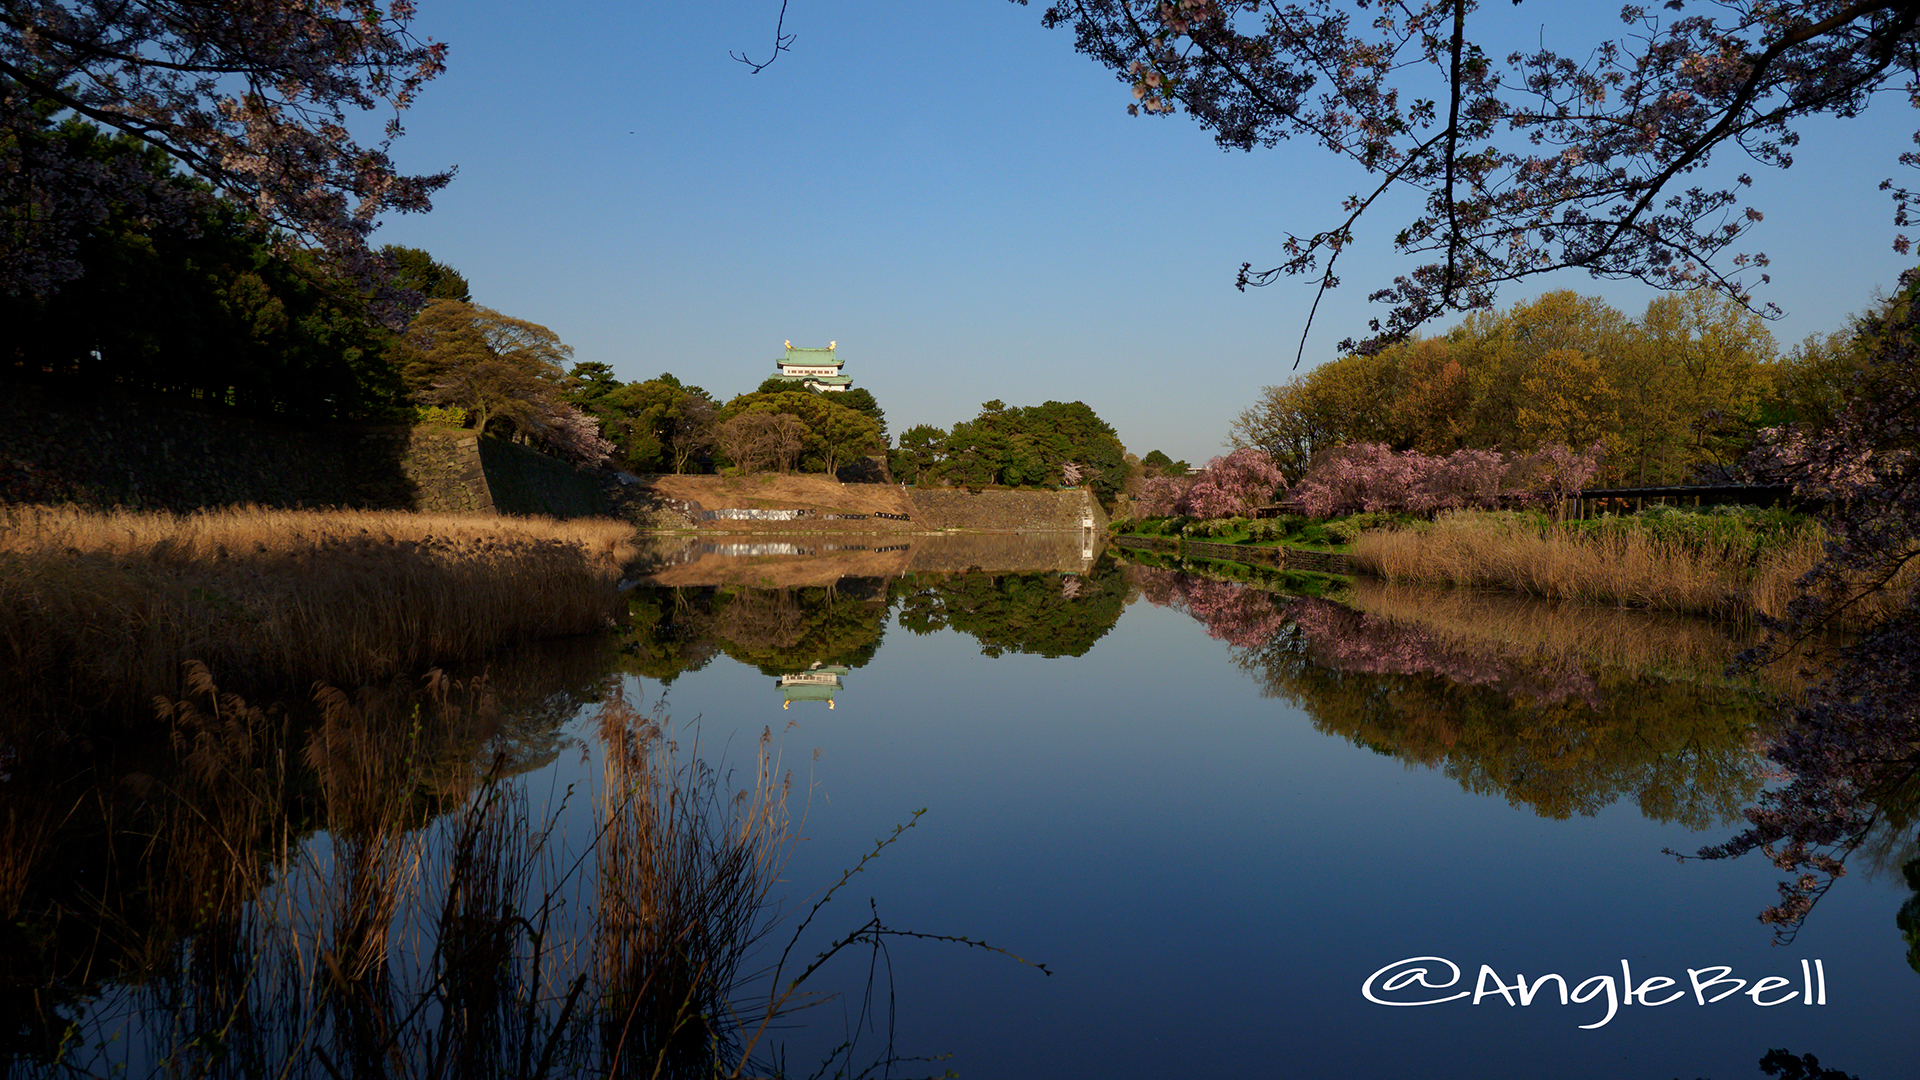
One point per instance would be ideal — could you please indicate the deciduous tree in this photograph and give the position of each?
(835, 434)
(1849, 749)
(1233, 485)
(505, 372)
(1522, 163)
(1675, 391)
(760, 439)
(255, 97)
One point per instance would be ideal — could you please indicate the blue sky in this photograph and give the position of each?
(959, 200)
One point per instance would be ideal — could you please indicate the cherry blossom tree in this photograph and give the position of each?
(568, 433)
(1368, 477)
(1160, 495)
(258, 98)
(1232, 486)
(1523, 165)
(1851, 750)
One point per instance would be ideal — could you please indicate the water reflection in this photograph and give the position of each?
(121, 842)
(674, 630)
(820, 682)
(1045, 614)
(1564, 711)
(354, 877)
(1545, 722)
(772, 562)
(371, 898)
(1059, 603)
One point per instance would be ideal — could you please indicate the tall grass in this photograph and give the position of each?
(681, 890)
(103, 608)
(1727, 576)
(433, 925)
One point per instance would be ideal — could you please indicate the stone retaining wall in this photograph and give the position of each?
(525, 481)
(155, 455)
(446, 472)
(1006, 511)
(1324, 562)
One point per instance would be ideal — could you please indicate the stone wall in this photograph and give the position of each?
(632, 500)
(1324, 562)
(446, 471)
(1006, 511)
(148, 455)
(144, 455)
(525, 481)
(1000, 553)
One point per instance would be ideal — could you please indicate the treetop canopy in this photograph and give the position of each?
(252, 96)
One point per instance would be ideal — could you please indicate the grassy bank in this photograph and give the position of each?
(103, 608)
(1723, 566)
(1287, 530)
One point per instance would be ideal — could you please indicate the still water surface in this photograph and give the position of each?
(1215, 810)
(1217, 816)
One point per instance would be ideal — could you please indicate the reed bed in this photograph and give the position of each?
(682, 895)
(1728, 579)
(103, 608)
(437, 927)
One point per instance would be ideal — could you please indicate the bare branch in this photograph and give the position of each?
(782, 42)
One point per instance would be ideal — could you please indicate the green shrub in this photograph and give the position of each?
(1746, 529)
(1342, 532)
(450, 415)
(1266, 529)
(1212, 528)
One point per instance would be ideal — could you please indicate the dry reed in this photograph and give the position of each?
(682, 887)
(481, 942)
(395, 945)
(103, 608)
(1622, 568)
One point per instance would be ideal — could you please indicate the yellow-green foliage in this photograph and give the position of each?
(104, 607)
(1683, 385)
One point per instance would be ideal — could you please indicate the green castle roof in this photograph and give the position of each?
(810, 356)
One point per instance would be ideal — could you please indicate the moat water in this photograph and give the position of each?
(1248, 831)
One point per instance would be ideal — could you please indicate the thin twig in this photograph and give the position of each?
(782, 42)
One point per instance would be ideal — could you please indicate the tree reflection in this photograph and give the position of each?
(116, 849)
(1043, 614)
(363, 899)
(674, 630)
(785, 630)
(1546, 728)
